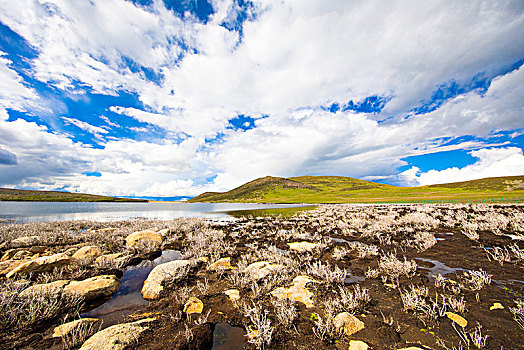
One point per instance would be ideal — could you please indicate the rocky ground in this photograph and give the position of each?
(338, 277)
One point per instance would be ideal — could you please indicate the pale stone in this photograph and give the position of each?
(347, 323)
(147, 235)
(94, 287)
(303, 246)
(357, 345)
(117, 337)
(297, 292)
(461, 321)
(42, 264)
(52, 288)
(164, 232)
(221, 264)
(496, 306)
(109, 258)
(88, 252)
(261, 269)
(9, 265)
(193, 306)
(66, 329)
(233, 294)
(25, 241)
(153, 285)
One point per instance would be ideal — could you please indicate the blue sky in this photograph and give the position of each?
(152, 98)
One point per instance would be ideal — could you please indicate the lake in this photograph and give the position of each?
(60, 211)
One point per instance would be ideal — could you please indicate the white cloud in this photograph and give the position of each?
(295, 56)
(491, 162)
(96, 130)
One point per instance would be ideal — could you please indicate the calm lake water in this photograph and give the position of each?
(59, 211)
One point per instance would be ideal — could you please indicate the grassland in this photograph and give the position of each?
(339, 189)
(7, 194)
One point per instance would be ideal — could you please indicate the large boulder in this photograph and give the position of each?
(153, 285)
(93, 288)
(117, 337)
(261, 269)
(137, 238)
(42, 264)
(53, 288)
(89, 252)
(67, 329)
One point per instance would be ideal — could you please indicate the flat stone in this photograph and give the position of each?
(90, 252)
(496, 306)
(153, 285)
(357, 345)
(94, 287)
(136, 238)
(461, 321)
(52, 288)
(193, 306)
(303, 246)
(297, 292)
(261, 269)
(233, 294)
(109, 257)
(117, 337)
(22, 255)
(66, 329)
(25, 241)
(221, 264)
(42, 264)
(347, 323)
(9, 265)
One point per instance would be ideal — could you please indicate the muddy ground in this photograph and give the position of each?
(445, 256)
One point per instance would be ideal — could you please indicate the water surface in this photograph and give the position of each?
(108, 211)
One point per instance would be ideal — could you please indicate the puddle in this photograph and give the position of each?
(227, 337)
(339, 240)
(352, 279)
(438, 268)
(128, 298)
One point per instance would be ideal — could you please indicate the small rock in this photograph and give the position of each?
(496, 306)
(221, 264)
(38, 249)
(153, 285)
(136, 238)
(53, 288)
(164, 232)
(261, 269)
(461, 321)
(109, 258)
(89, 252)
(193, 306)
(358, 345)
(117, 337)
(66, 329)
(347, 323)
(9, 265)
(94, 287)
(303, 246)
(233, 294)
(42, 264)
(297, 292)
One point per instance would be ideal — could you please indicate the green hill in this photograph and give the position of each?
(7, 194)
(339, 189)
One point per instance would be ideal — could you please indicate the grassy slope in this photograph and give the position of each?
(338, 189)
(56, 196)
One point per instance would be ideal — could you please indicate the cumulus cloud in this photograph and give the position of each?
(491, 162)
(292, 58)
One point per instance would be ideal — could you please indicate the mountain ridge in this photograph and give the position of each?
(341, 189)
